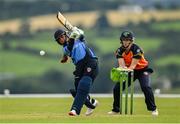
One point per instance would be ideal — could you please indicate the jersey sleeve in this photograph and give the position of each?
(137, 52)
(119, 53)
(66, 51)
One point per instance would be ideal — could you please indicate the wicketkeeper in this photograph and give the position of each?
(86, 68)
(131, 56)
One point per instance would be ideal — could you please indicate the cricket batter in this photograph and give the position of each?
(86, 68)
(131, 56)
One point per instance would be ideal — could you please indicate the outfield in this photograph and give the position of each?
(50, 110)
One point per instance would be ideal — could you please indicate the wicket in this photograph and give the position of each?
(123, 76)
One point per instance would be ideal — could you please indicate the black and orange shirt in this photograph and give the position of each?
(135, 52)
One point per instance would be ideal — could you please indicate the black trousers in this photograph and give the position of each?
(89, 68)
(144, 80)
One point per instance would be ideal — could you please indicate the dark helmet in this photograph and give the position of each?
(127, 35)
(58, 33)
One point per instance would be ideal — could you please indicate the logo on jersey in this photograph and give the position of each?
(146, 73)
(126, 34)
(138, 50)
(89, 69)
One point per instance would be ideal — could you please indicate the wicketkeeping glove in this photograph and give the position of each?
(116, 72)
(76, 33)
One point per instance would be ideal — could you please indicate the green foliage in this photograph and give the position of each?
(107, 45)
(54, 110)
(168, 60)
(110, 45)
(147, 44)
(42, 41)
(24, 64)
(164, 26)
(170, 65)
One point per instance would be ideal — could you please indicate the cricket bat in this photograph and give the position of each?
(64, 21)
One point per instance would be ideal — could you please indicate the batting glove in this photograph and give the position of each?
(76, 32)
(64, 59)
(79, 30)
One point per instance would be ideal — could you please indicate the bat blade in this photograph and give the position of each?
(64, 21)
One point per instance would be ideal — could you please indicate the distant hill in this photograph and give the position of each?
(88, 19)
(10, 9)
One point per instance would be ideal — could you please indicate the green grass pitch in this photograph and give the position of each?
(51, 110)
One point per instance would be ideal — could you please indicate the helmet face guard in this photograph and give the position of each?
(58, 34)
(126, 36)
